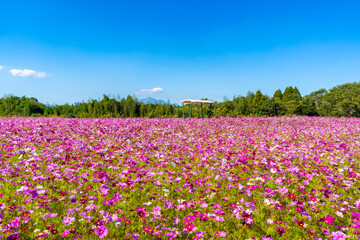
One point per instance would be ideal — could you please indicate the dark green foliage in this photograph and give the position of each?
(269, 108)
(278, 99)
(106, 107)
(278, 96)
(15, 106)
(258, 101)
(291, 100)
(308, 107)
(342, 100)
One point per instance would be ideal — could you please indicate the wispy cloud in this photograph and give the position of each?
(1, 67)
(150, 91)
(27, 73)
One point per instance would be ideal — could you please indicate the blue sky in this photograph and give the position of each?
(68, 51)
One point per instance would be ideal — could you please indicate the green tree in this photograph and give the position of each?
(269, 108)
(292, 101)
(278, 96)
(308, 107)
(257, 102)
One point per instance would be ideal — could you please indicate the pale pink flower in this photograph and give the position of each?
(269, 221)
(68, 220)
(203, 205)
(283, 190)
(339, 214)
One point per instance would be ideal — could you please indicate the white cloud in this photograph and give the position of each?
(1, 67)
(150, 91)
(27, 73)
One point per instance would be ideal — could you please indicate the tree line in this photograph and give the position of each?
(342, 100)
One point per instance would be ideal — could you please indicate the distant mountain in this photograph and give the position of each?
(151, 100)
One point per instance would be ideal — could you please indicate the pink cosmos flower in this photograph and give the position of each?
(136, 235)
(219, 219)
(249, 221)
(278, 180)
(70, 212)
(339, 214)
(283, 190)
(329, 219)
(171, 235)
(314, 199)
(355, 225)
(176, 221)
(101, 231)
(65, 233)
(190, 227)
(189, 219)
(103, 191)
(90, 207)
(357, 203)
(148, 229)
(200, 234)
(308, 176)
(13, 236)
(204, 217)
(203, 205)
(12, 225)
(220, 234)
(219, 211)
(156, 209)
(356, 215)
(68, 220)
(281, 230)
(338, 235)
(167, 204)
(325, 231)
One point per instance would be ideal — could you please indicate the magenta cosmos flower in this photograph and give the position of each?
(101, 231)
(65, 233)
(189, 219)
(190, 227)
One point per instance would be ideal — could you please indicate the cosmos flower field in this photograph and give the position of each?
(225, 178)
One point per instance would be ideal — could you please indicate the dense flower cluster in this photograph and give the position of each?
(226, 178)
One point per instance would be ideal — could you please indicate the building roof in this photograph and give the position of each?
(196, 101)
